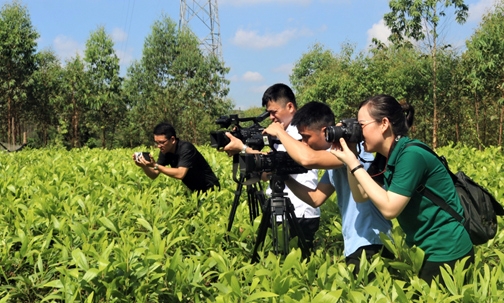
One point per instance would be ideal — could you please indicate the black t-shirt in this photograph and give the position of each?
(200, 176)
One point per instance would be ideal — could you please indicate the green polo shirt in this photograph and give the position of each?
(425, 224)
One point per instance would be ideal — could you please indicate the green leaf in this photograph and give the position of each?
(55, 284)
(293, 257)
(89, 299)
(221, 264)
(80, 259)
(144, 223)
(91, 274)
(108, 224)
(12, 188)
(260, 295)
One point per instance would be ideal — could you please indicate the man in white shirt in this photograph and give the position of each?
(280, 103)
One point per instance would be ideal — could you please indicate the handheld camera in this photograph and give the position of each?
(252, 136)
(350, 130)
(145, 155)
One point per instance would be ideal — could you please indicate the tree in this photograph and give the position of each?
(485, 73)
(335, 79)
(175, 82)
(407, 20)
(17, 63)
(72, 106)
(102, 67)
(46, 90)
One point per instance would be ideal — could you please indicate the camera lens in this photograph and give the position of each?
(334, 133)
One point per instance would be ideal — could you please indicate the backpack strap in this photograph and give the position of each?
(423, 190)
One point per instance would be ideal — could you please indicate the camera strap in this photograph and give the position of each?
(359, 150)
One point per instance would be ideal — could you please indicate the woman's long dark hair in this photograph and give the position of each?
(401, 118)
(384, 106)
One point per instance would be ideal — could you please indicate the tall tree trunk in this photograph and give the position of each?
(501, 115)
(13, 128)
(75, 124)
(434, 88)
(476, 118)
(9, 114)
(457, 132)
(103, 138)
(501, 120)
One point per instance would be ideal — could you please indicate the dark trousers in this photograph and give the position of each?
(430, 270)
(371, 250)
(309, 227)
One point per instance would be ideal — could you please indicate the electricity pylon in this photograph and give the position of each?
(202, 18)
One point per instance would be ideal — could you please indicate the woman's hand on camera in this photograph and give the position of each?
(345, 154)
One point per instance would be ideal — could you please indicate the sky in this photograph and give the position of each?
(261, 39)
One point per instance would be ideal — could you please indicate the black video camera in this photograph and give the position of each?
(276, 162)
(252, 136)
(350, 130)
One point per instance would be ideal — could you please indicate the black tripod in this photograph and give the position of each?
(255, 194)
(278, 209)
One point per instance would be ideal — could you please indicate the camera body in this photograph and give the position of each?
(252, 136)
(145, 155)
(276, 162)
(350, 130)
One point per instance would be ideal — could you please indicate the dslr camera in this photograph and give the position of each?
(350, 130)
(145, 155)
(252, 136)
(276, 162)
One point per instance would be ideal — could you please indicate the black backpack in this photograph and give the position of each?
(480, 207)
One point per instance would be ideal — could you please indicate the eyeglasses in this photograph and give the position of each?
(160, 142)
(364, 123)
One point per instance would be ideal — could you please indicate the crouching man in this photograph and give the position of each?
(178, 159)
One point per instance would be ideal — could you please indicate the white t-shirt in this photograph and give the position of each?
(309, 179)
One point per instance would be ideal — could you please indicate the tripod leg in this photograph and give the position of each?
(252, 202)
(261, 233)
(236, 200)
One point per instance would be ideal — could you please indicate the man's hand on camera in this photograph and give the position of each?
(140, 161)
(234, 146)
(274, 129)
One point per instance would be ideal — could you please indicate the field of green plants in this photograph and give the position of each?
(87, 225)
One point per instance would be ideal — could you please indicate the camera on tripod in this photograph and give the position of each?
(276, 162)
(252, 136)
(350, 130)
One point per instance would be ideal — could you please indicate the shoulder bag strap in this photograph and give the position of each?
(423, 190)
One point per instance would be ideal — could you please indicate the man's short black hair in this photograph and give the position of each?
(313, 115)
(279, 93)
(166, 129)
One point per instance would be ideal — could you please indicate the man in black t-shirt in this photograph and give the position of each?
(185, 161)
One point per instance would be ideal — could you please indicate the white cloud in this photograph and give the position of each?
(251, 39)
(477, 10)
(234, 78)
(125, 57)
(67, 48)
(284, 68)
(379, 31)
(118, 35)
(252, 77)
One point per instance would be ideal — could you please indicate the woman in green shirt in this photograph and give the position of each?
(385, 123)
